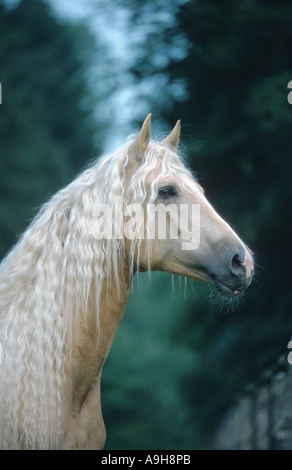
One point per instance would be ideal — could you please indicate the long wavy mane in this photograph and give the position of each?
(45, 284)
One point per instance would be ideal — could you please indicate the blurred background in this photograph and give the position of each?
(77, 78)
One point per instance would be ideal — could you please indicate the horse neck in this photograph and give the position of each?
(114, 300)
(93, 339)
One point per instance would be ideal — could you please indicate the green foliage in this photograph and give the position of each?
(46, 136)
(141, 397)
(177, 363)
(237, 70)
(237, 132)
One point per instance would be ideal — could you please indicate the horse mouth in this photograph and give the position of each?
(227, 291)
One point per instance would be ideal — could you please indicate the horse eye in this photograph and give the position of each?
(167, 192)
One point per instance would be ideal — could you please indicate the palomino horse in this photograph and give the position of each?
(65, 285)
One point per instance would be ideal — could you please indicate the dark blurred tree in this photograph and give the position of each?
(46, 133)
(237, 127)
(223, 69)
(143, 405)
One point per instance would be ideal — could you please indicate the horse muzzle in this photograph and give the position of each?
(234, 278)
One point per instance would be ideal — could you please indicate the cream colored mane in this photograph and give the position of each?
(45, 284)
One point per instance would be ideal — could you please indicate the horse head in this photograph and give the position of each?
(192, 239)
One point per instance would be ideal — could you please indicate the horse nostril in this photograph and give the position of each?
(237, 267)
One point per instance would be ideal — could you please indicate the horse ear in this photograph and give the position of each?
(172, 140)
(142, 140)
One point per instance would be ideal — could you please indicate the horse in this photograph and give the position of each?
(65, 285)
